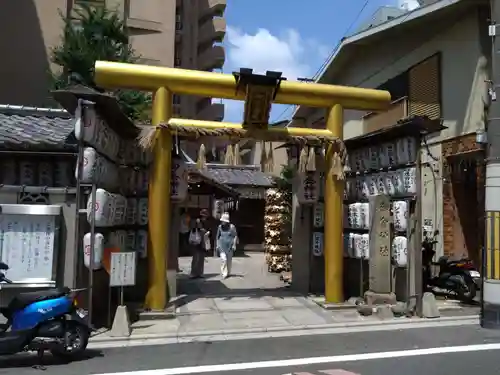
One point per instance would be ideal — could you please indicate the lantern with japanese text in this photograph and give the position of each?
(179, 182)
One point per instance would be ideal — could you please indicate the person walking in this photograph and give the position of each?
(226, 240)
(197, 243)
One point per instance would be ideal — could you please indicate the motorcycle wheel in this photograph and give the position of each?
(77, 336)
(467, 290)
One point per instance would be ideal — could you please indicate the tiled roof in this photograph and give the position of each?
(27, 128)
(238, 175)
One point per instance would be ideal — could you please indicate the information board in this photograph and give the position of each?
(27, 244)
(122, 272)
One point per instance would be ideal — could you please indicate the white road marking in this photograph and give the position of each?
(312, 361)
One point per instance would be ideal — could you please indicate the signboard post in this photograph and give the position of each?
(121, 274)
(122, 271)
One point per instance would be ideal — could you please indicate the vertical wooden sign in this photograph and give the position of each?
(380, 244)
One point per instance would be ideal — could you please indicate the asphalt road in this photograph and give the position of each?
(457, 350)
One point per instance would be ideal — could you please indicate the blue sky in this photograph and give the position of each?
(291, 36)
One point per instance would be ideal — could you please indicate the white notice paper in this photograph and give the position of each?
(122, 271)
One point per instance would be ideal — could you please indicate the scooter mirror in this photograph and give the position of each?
(3, 266)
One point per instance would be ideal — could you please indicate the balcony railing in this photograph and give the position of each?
(212, 58)
(212, 30)
(212, 7)
(374, 121)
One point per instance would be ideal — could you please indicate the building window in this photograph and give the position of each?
(177, 57)
(176, 99)
(178, 22)
(202, 104)
(92, 3)
(397, 86)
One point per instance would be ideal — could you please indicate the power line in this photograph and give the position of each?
(332, 53)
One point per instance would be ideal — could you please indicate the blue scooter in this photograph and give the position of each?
(44, 320)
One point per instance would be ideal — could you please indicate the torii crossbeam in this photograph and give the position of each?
(258, 92)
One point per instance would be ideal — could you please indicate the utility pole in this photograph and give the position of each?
(490, 307)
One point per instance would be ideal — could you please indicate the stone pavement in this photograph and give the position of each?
(252, 300)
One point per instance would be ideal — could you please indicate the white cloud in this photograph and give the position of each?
(408, 4)
(288, 53)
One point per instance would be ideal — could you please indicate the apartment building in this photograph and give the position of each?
(180, 33)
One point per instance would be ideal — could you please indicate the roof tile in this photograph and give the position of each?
(46, 132)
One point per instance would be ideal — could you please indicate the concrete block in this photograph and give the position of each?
(372, 298)
(384, 312)
(172, 283)
(365, 310)
(429, 306)
(399, 309)
(355, 301)
(121, 323)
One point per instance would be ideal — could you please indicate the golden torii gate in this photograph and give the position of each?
(258, 92)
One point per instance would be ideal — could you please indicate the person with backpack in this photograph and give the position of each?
(226, 241)
(197, 242)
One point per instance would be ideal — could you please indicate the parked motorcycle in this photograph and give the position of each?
(44, 320)
(458, 277)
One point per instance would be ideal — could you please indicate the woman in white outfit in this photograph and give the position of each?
(226, 241)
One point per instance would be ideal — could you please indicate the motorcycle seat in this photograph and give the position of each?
(24, 299)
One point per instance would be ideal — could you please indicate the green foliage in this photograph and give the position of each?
(96, 33)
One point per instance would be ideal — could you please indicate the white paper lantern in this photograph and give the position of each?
(142, 243)
(101, 207)
(130, 243)
(365, 246)
(98, 250)
(118, 239)
(97, 170)
(109, 209)
(45, 174)
(119, 209)
(399, 185)
(317, 241)
(26, 173)
(400, 250)
(410, 180)
(142, 211)
(131, 215)
(218, 208)
(391, 154)
(375, 157)
(384, 155)
(319, 215)
(347, 238)
(365, 159)
(400, 215)
(380, 179)
(358, 246)
(364, 215)
(94, 131)
(390, 188)
(350, 249)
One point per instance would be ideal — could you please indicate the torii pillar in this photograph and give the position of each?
(164, 82)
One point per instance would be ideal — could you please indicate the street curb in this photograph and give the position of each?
(100, 338)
